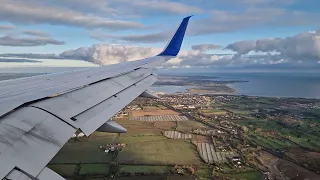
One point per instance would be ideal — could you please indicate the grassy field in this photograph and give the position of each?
(166, 125)
(94, 169)
(241, 112)
(187, 126)
(63, 170)
(161, 152)
(212, 111)
(152, 112)
(140, 139)
(293, 171)
(239, 174)
(204, 173)
(270, 142)
(145, 169)
(86, 150)
(173, 177)
(139, 127)
(302, 136)
(254, 175)
(145, 146)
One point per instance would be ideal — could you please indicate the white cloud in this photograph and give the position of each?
(110, 54)
(31, 12)
(161, 6)
(205, 47)
(17, 41)
(301, 47)
(133, 38)
(6, 27)
(131, 8)
(251, 17)
(260, 2)
(242, 47)
(36, 33)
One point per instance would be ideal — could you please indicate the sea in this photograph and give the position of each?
(302, 85)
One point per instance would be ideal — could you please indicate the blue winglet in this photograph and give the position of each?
(174, 45)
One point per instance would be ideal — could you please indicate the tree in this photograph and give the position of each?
(190, 170)
(114, 168)
(244, 129)
(76, 172)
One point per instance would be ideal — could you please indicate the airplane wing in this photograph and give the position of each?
(39, 114)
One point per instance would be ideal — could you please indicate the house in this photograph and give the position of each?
(80, 134)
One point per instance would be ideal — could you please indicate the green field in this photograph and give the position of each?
(237, 174)
(255, 175)
(204, 173)
(84, 151)
(136, 128)
(94, 169)
(161, 152)
(163, 177)
(86, 169)
(241, 112)
(303, 136)
(144, 169)
(63, 170)
(188, 126)
(140, 139)
(270, 142)
(213, 111)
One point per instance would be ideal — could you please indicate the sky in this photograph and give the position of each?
(223, 35)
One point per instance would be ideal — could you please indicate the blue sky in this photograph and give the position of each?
(46, 26)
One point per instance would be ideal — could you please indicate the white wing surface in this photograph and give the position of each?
(39, 114)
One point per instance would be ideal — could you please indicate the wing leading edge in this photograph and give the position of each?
(39, 114)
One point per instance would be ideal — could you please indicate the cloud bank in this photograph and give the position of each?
(18, 41)
(300, 50)
(134, 38)
(35, 12)
(301, 47)
(109, 54)
(205, 47)
(36, 33)
(6, 27)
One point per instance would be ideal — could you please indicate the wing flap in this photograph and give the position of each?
(17, 175)
(99, 114)
(14, 93)
(68, 105)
